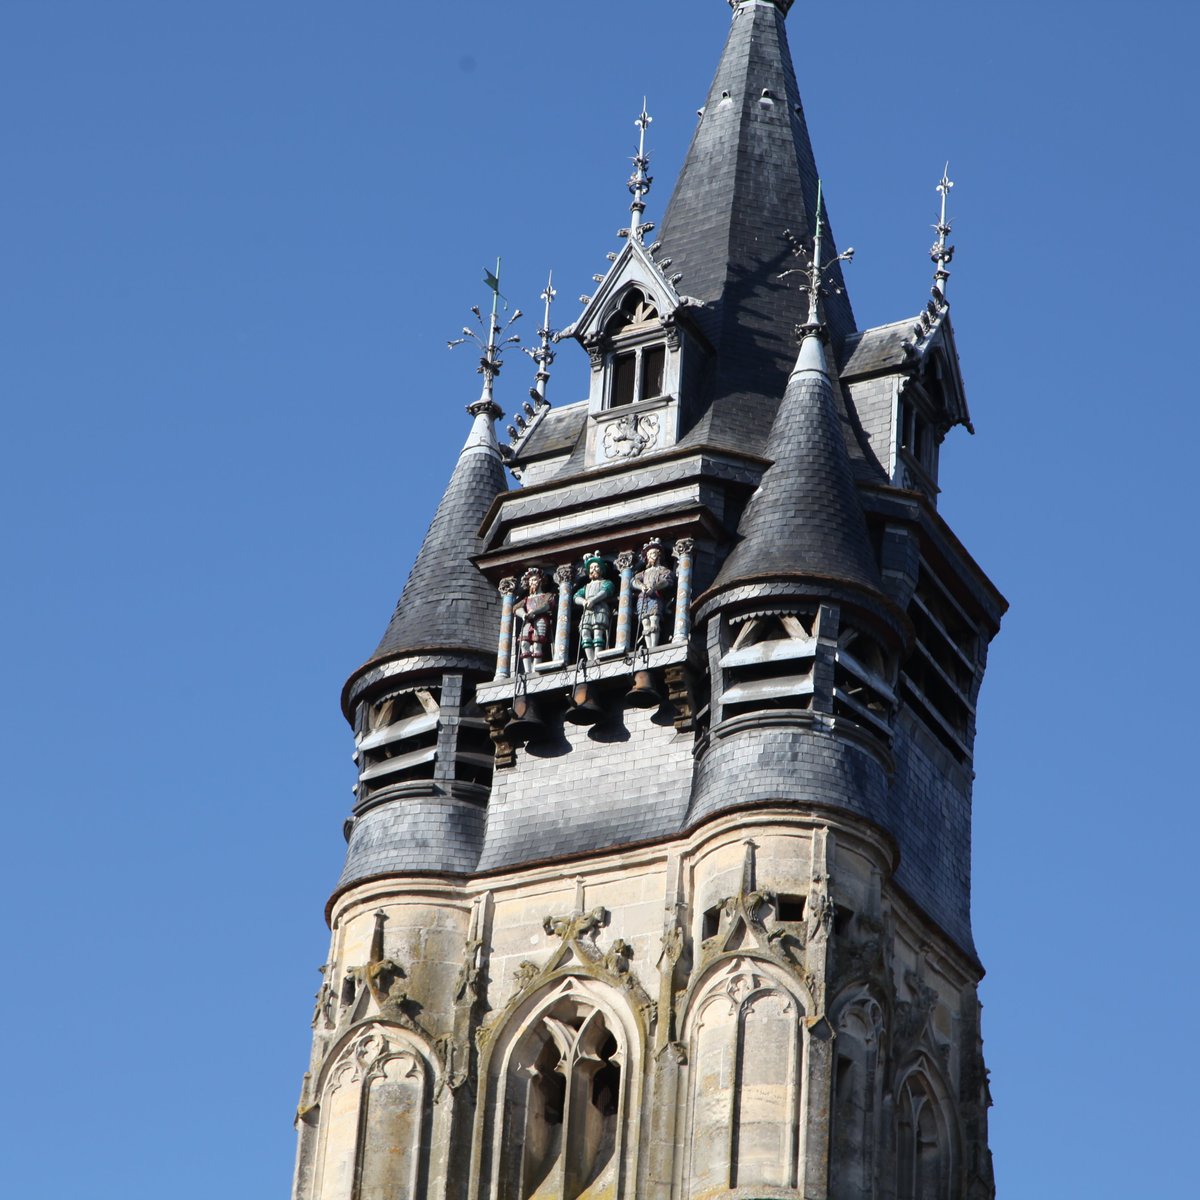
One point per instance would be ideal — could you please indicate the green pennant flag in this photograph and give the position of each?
(493, 282)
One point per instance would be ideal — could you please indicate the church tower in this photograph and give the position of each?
(658, 875)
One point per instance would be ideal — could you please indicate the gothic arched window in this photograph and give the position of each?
(745, 1052)
(922, 1143)
(376, 1108)
(560, 1102)
(857, 1088)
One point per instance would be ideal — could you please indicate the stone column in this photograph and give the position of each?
(624, 564)
(564, 577)
(683, 589)
(508, 591)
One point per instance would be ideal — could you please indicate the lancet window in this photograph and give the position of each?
(564, 1103)
(857, 1098)
(746, 1066)
(922, 1143)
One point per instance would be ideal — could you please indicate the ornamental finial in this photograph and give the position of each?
(640, 180)
(491, 342)
(816, 273)
(941, 254)
(543, 355)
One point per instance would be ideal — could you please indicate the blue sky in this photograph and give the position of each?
(234, 239)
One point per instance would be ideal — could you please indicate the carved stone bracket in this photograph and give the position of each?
(679, 692)
(497, 717)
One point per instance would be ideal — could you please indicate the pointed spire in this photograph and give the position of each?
(941, 254)
(447, 605)
(805, 522)
(749, 174)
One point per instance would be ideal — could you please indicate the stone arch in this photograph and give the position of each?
(744, 1032)
(375, 1116)
(563, 1087)
(926, 1133)
(856, 1102)
(635, 307)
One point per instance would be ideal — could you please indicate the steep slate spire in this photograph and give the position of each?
(447, 605)
(749, 175)
(805, 521)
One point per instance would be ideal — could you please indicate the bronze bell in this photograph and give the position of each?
(526, 723)
(584, 710)
(643, 694)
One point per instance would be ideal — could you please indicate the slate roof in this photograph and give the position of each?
(880, 349)
(556, 433)
(749, 175)
(447, 604)
(805, 520)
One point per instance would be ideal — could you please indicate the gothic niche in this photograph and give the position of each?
(564, 1101)
(745, 1052)
(375, 1116)
(857, 1097)
(922, 1142)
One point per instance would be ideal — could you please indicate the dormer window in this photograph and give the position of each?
(918, 438)
(636, 371)
(637, 375)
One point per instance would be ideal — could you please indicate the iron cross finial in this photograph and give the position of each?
(543, 355)
(942, 253)
(640, 180)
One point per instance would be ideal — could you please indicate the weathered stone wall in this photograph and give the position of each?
(751, 1010)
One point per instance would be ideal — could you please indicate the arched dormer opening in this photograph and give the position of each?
(637, 360)
(646, 355)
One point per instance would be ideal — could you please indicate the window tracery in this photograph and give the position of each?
(562, 1097)
(375, 1117)
(922, 1143)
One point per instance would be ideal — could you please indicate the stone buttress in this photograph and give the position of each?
(658, 880)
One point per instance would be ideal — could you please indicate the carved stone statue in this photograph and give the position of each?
(596, 600)
(536, 610)
(653, 585)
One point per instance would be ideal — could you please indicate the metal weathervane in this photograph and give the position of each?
(941, 253)
(491, 341)
(816, 272)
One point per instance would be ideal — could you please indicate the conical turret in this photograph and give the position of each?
(422, 750)
(447, 605)
(805, 523)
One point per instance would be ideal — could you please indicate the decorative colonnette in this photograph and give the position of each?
(646, 594)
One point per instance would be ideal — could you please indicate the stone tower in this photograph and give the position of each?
(658, 871)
